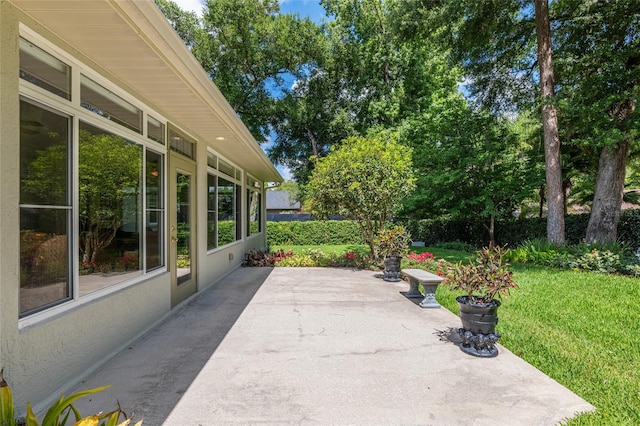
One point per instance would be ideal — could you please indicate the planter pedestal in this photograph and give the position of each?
(392, 268)
(478, 344)
(478, 327)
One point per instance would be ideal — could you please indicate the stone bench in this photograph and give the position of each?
(429, 283)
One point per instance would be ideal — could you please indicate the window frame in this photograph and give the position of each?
(73, 108)
(213, 170)
(253, 186)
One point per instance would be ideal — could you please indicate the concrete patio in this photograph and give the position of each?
(319, 346)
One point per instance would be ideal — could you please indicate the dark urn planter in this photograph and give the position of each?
(478, 327)
(392, 268)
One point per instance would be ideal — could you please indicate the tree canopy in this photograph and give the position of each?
(458, 80)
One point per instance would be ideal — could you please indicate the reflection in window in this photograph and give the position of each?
(211, 212)
(226, 213)
(110, 208)
(45, 208)
(253, 212)
(154, 210)
(183, 217)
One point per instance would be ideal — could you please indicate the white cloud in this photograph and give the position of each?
(191, 5)
(285, 172)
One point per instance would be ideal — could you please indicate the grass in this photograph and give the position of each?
(580, 328)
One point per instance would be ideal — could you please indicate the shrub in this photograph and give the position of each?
(313, 233)
(264, 258)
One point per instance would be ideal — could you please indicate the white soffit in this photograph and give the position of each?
(133, 42)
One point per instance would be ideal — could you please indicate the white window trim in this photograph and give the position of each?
(77, 113)
(243, 207)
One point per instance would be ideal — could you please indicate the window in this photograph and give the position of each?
(110, 183)
(226, 212)
(155, 130)
(180, 143)
(44, 70)
(212, 233)
(254, 207)
(154, 189)
(45, 208)
(107, 104)
(92, 201)
(224, 203)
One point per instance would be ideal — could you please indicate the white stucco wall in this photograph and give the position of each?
(51, 356)
(9, 222)
(44, 359)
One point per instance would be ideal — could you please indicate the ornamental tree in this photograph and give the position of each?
(365, 180)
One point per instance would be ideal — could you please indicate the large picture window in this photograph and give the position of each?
(92, 201)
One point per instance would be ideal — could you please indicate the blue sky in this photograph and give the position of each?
(310, 8)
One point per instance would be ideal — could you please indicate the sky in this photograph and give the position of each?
(310, 8)
(305, 8)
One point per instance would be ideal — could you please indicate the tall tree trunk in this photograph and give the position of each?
(555, 202)
(607, 201)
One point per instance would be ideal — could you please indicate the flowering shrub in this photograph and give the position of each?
(422, 257)
(318, 258)
(264, 258)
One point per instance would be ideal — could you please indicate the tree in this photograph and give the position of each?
(597, 68)
(598, 44)
(356, 85)
(365, 180)
(469, 164)
(496, 44)
(555, 192)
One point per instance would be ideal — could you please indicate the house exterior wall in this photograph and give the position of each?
(41, 360)
(46, 357)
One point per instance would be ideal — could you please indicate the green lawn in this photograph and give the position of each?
(580, 328)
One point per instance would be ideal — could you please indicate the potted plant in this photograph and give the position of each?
(392, 243)
(484, 282)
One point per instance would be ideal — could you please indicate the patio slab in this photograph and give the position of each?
(319, 346)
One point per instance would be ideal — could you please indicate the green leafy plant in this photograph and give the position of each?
(59, 412)
(394, 241)
(485, 279)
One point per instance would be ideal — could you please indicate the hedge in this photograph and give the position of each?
(512, 231)
(313, 233)
(517, 230)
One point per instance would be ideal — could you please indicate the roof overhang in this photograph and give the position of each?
(134, 45)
